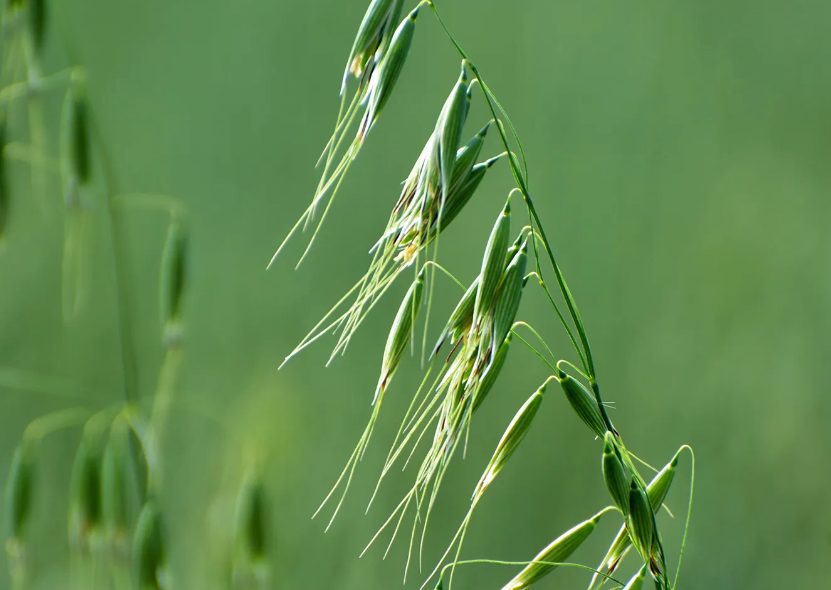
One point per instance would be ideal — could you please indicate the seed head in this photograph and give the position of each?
(558, 551)
(251, 517)
(513, 436)
(373, 37)
(636, 583)
(492, 372)
(20, 487)
(173, 278)
(401, 332)
(493, 262)
(615, 474)
(583, 403)
(461, 317)
(659, 486)
(508, 296)
(385, 76)
(449, 131)
(149, 551)
(641, 521)
(85, 492)
(37, 23)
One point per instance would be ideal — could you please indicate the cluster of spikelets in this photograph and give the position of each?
(115, 527)
(476, 339)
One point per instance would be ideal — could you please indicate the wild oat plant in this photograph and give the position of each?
(116, 528)
(465, 362)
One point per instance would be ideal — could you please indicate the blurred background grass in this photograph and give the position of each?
(679, 156)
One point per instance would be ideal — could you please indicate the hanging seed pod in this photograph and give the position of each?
(659, 486)
(583, 403)
(79, 133)
(449, 131)
(385, 76)
(509, 296)
(641, 521)
(20, 486)
(636, 583)
(373, 36)
(85, 493)
(149, 547)
(173, 274)
(252, 517)
(513, 436)
(458, 198)
(465, 159)
(492, 372)
(401, 332)
(557, 552)
(119, 475)
(615, 474)
(493, 262)
(37, 24)
(461, 317)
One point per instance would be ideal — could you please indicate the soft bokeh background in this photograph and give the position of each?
(679, 156)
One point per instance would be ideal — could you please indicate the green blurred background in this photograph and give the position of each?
(679, 155)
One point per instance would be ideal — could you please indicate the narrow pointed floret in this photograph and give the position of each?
(583, 403)
(373, 36)
(492, 372)
(509, 296)
(557, 552)
(512, 438)
(401, 332)
(252, 517)
(386, 74)
(659, 486)
(459, 197)
(641, 521)
(149, 551)
(85, 506)
(466, 157)
(173, 274)
(461, 317)
(493, 262)
(449, 131)
(20, 488)
(615, 475)
(636, 583)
